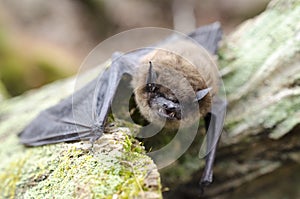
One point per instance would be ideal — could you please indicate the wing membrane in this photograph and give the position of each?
(73, 118)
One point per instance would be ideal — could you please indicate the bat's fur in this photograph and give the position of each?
(181, 69)
(184, 68)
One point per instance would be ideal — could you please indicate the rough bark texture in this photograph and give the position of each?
(261, 67)
(260, 63)
(259, 150)
(117, 168)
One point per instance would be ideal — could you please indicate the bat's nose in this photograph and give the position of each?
(168, 108)
(167, 104)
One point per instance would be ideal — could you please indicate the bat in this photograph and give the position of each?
(168, 79)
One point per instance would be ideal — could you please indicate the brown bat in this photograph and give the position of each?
(174, 82)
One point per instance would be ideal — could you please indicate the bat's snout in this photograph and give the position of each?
(166, 108)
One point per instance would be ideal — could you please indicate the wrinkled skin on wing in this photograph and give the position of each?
(57, 123)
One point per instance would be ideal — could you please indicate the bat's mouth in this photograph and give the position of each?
(166, 108)
(171, 115)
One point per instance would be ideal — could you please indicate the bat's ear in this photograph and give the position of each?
(202, 93)
(151, 76)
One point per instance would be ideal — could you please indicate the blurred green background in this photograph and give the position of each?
(42, 41)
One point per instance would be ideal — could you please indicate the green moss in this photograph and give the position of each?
(247, 53)
(118, 166)
(68, 171)
(285, 126)
(280, 111)
(282, 117)
(279, 117)
(9, 178)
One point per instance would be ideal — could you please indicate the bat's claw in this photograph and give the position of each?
(205, 181)
(92, 141)
(203, 185)
(98, 131)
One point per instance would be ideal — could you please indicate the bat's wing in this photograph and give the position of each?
(121, 64)
(61, 122)
(75, 117)
(208, 36)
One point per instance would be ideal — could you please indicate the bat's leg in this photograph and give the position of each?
(207, 175)
(213, 124)
(119, 66)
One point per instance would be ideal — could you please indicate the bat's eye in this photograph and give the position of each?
(150, 87)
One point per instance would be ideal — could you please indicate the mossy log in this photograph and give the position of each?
(116, 168)
(259, 151)
(260, 64)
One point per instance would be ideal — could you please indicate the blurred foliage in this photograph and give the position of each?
(21, 70)
(3, 92)
(58, 35)
(103, 24)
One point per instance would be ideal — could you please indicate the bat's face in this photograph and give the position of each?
(162, 101)
(167, 96)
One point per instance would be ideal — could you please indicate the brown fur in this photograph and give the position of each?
(182, 67)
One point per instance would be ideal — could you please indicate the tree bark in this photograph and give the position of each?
(118, 166)
(260, 64)
(259, 151)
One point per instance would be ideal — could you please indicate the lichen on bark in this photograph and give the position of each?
(118, 166)
(260, 66)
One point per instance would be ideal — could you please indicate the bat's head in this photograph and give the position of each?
(161, 99)
(171, 95)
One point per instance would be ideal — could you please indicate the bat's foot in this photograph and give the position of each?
(98, 132)
(205, 181)
(92, 141)
(203, 185)
(91, 148)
